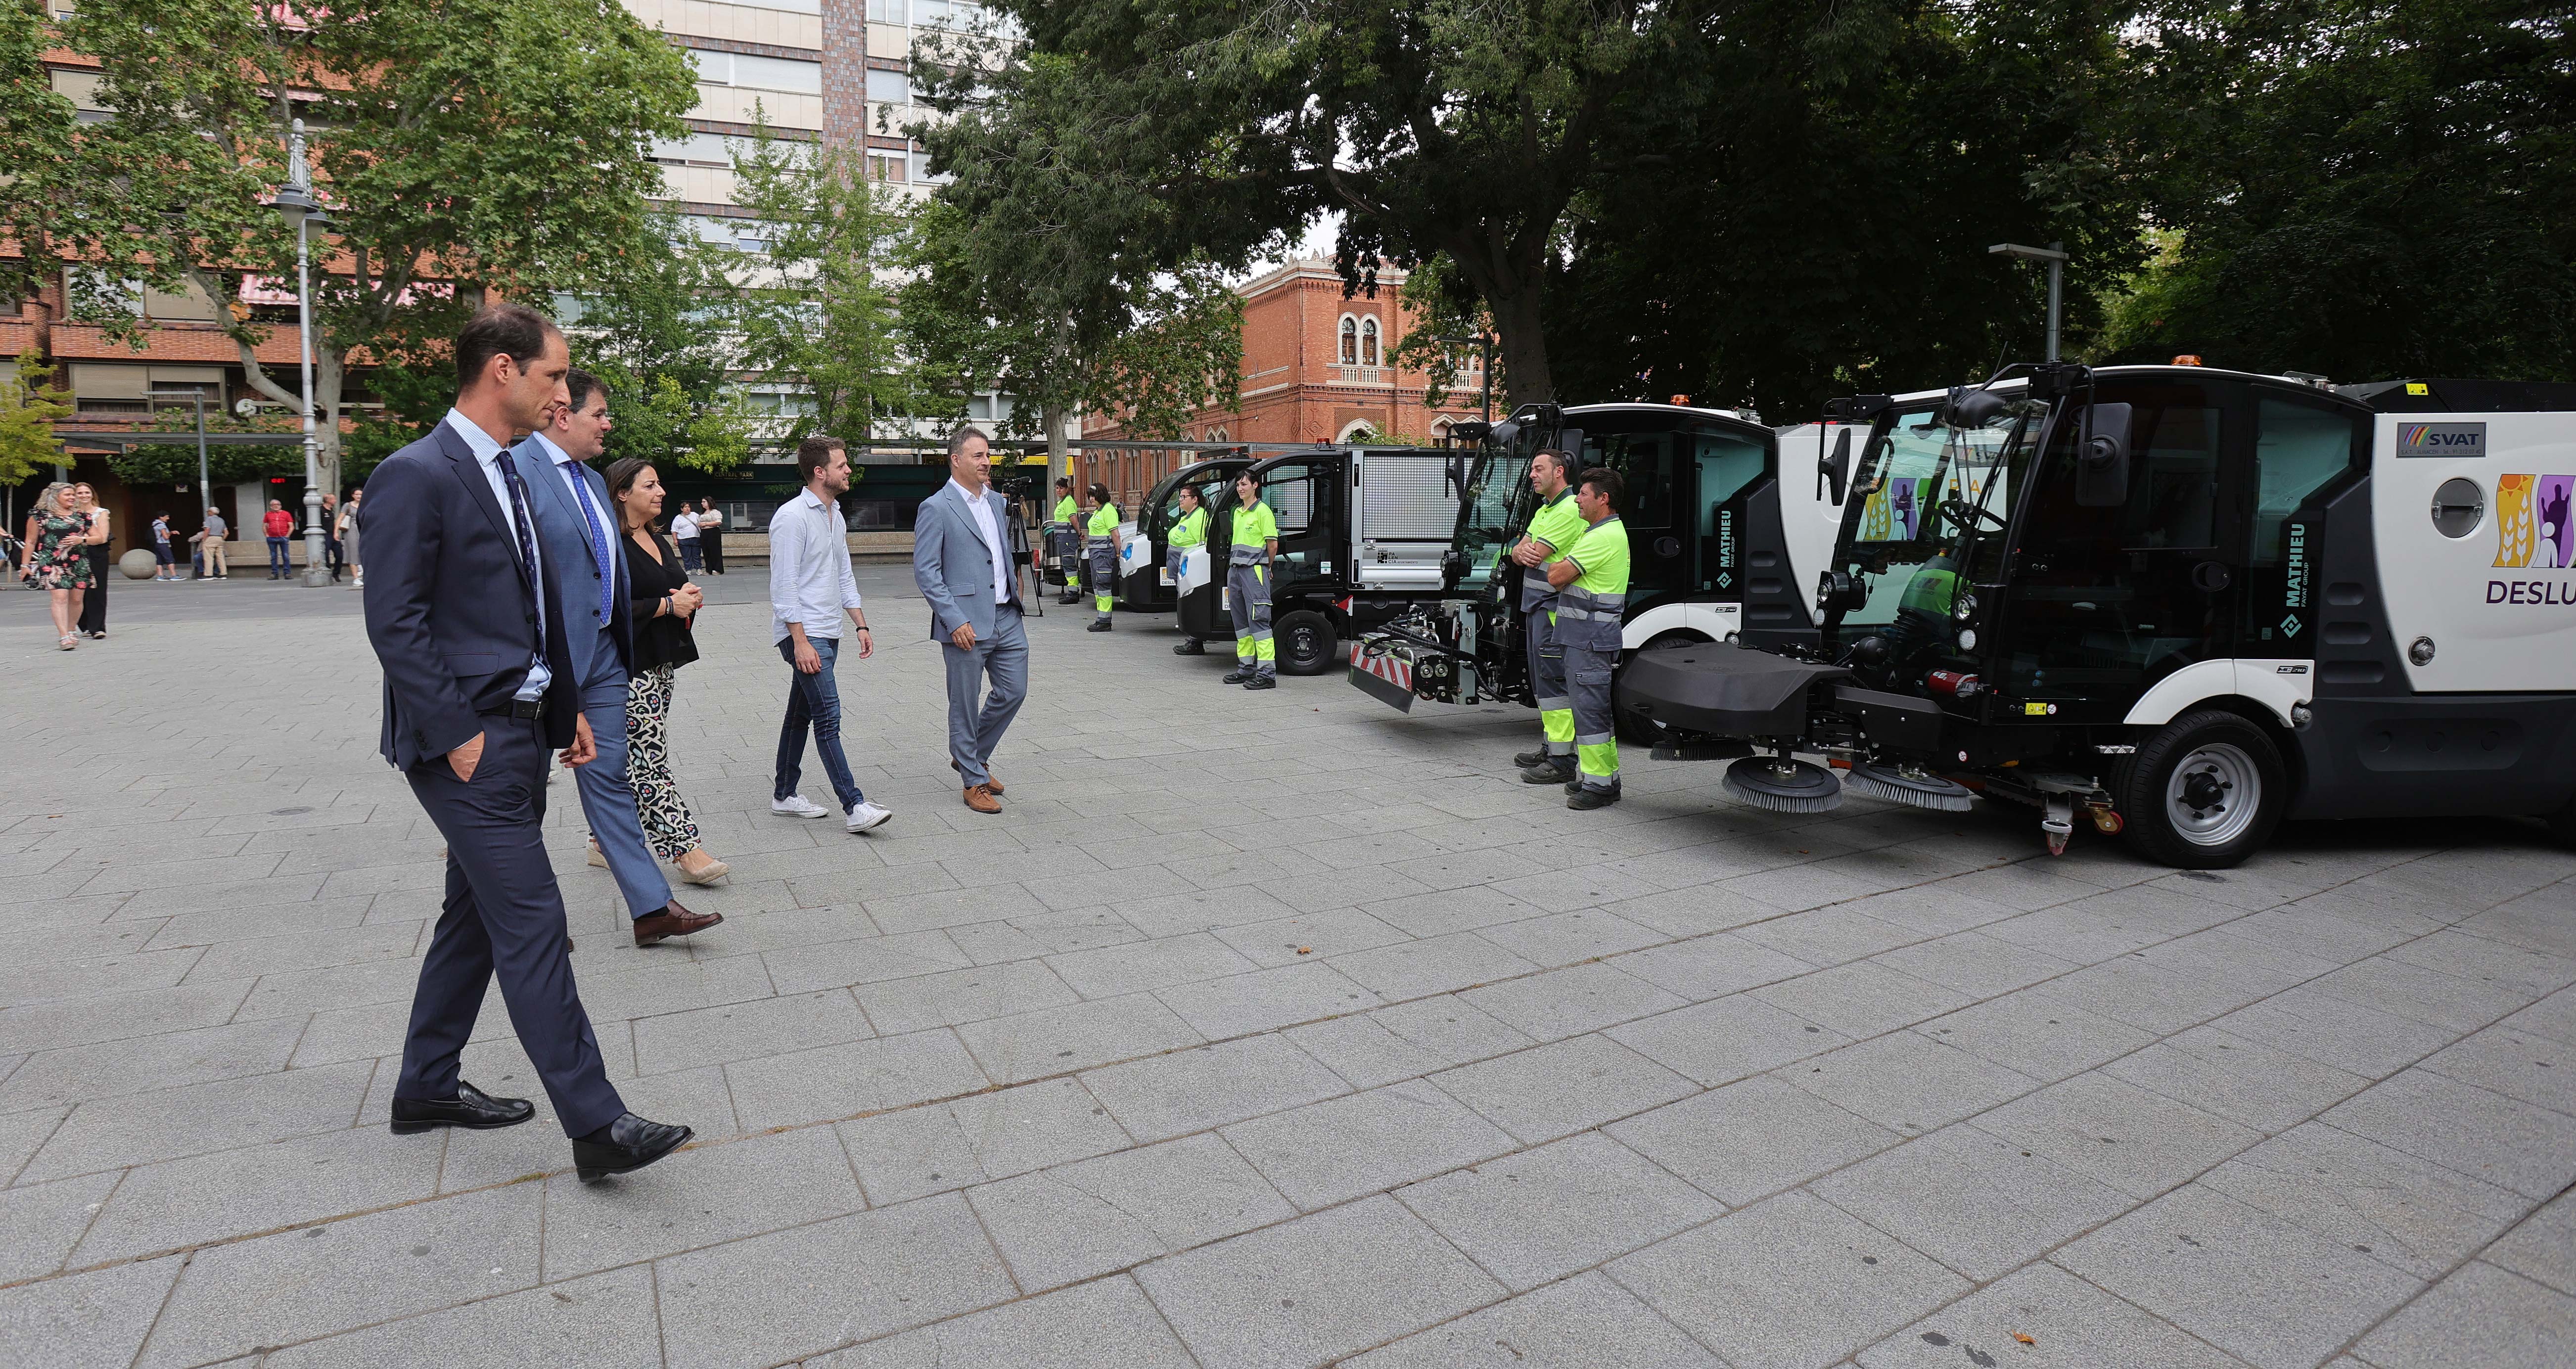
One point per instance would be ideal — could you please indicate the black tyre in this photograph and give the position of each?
(1305, 640)
(2204, 792)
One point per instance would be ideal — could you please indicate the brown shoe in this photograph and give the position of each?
(989, 782)
(673, 921)
(980, 798)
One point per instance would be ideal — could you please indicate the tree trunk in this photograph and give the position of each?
(1059, 460)
(330, 376)
(1510, 288)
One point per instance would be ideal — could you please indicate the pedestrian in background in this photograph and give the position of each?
(165, 564)
(1188, 533)
(57, 558)
(93, 614)
(331, 534)
(665, 606)
(280, 527)
(210, 546)
(684, 530)
(810, 587)
(1100, 542)
(711, 521)
(349, 540)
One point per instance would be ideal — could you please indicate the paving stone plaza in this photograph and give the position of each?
(1260, 1031)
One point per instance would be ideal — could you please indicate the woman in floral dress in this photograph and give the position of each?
(58, 560)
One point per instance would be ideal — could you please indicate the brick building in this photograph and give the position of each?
(1315, 369)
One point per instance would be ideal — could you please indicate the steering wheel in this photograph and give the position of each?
(1966, 516)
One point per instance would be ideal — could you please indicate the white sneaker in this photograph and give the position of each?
(798, 806)
(867, 815)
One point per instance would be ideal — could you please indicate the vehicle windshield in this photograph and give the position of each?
(1495, 503)
(1925, 498)
(1162, 506)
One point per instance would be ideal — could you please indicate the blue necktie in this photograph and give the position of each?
(598, 541)
(521, 522)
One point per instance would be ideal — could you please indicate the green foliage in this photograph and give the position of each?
(655, 333)
(2364, 190)
(175, 462)
(817, 309)
(30, 402)
(39, 197)
(1444, 309)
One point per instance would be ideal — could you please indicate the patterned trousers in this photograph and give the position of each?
(668, 827)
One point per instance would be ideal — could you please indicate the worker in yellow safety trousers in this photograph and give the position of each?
(1189, 531)
(1551, 530)
(1064, 534)
(1247, 587)
(1100, 539)
(1591, 583)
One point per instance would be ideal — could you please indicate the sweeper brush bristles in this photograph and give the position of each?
(1782, 803)
(1783, 786)
(1940, 795)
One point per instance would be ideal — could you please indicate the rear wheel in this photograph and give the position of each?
(1305, 640)
(2204, 792)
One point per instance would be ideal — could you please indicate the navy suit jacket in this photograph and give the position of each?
(451, 610)
(564, 546)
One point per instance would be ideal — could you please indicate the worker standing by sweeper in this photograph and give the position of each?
(1551, 530)
(1064, 538)
(1188, 532)
(1591, 583)
(1247, 587)
(1100, 539)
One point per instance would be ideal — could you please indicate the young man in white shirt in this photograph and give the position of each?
(810, 586)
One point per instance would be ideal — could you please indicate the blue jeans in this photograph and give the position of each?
(814, 701)
(277, 562)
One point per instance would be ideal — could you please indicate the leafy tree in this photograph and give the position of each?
(175, 461)
(2360, 188)
(1462, 127)
(462, 146)
(30, 403)
(655, 331)
(817, 310)
(38, 198)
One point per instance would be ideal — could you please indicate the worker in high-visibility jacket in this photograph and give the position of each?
(1188, 532)
(1551, 530)
(1100, 539)
(1247, 587)
(1591, 583)
(1064, 534)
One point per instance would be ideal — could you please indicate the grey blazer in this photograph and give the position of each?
(564, 546)
(953, 567)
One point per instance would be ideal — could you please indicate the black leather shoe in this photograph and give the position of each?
(471, 1108)
(1261, 682)
(1585, 800)
(1526, 759)
(1098, 625)
(1236, 677)
(1190, 649)
(1553, 771)
(628, 1143)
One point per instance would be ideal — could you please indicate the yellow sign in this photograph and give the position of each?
(2035, 710)
(2417, 387)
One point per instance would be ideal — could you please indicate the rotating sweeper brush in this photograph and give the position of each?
(1783, 785)
(1906, 784)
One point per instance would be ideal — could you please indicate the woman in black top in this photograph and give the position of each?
(665, 602)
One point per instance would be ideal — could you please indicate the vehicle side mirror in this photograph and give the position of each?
(1570, 442)
(2102, 457)
(1833, 473)
(1457, 465)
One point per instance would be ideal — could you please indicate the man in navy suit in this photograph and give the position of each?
(577, 538)
(479, 685)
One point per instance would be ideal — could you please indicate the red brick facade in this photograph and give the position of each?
(845, 75)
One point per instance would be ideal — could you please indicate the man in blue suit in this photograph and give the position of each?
(479, 684)
(578, 535)
(962, 566)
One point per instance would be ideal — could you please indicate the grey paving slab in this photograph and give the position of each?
(1266, 1000)
(1542, 1214)
(2480, 1133)
(1568, 937)
(1080, 1220)
(2537, 1069)
(2336, 1031)
(1586, 1322)
(1342, 1148)
(1110, 971)
(1862, 998)
(140, 1128)
(300, 1285)
(1557, 1089)
(118, 1017)
(2411, 1213)
(1907, 1082)
(2554, 1017)
(40, 1223)
(1726, 1039)
(2237, 1078)
(250, 1189)
(1828, 936)
(865, 960)
(1439, 964)
(1032, 1045)
(2138, 1142)
(1309, 1291)
(701, 1196)
(2422, 993)
(1793, 1282)
(828, 1083)
(93, 1320)
(602, 1322)
(2031, 1033)
(953, 997)
(913, 1152)
(1326, 932)
(1975, 1202)
(1710, 966)
(2482, 1316)
(1975, 964)
(2271, 1293)
(745, 1031)
(75, 1074)
(1192, 1090)
(1363, 1051)
(1096, 1326)
(2070, 1324)
(2542, 1246)
(1748, 1140)
(856, 1278)
(1571, 1001)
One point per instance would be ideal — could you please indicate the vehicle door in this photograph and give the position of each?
(2105, 601)
(1652, 463)
(1305, 494)
(1726, 467)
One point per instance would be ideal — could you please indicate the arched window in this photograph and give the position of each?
(1368, 342)
(1350, 341)
(1216, 435)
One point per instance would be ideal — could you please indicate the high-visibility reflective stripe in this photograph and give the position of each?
(1242, 555)
(1560, 705)
(1261, 634)
(1566, 614)
(1595, 738)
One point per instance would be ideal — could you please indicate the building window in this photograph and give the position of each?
(1350, 341)
(1368, 342)
(889, 87)
(888, 166)
(886, 12)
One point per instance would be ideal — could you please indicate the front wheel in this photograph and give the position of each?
(2204, 792)
(1305, 640)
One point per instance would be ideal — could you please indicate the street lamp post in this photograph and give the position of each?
(205, 487)
(295, 201)
(2055, 255)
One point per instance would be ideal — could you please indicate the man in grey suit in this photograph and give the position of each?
(479, 685)
(964, 569)
(588, 568)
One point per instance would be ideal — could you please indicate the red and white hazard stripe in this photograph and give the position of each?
(1394, 670)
